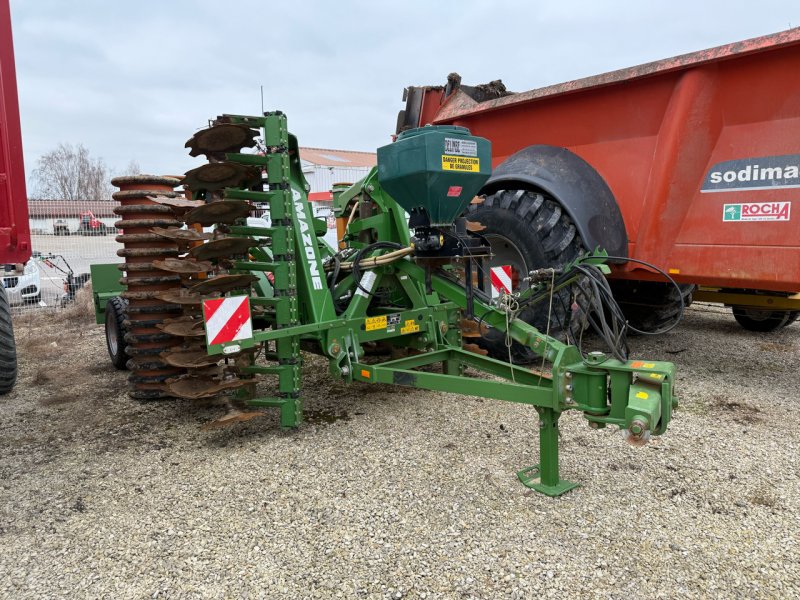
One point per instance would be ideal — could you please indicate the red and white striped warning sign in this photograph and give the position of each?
(501, 280)
(227, 319)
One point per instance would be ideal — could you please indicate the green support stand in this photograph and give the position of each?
(544, 476)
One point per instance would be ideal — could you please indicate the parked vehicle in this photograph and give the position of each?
(91, 225)
(60, 227)
(690, 164)
(22, 283)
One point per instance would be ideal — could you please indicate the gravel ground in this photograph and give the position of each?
(390, 493)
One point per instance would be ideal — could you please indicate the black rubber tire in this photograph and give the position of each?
(762, 321)
(8, 347)
(651, 306)
(792, 317)
(532, 226)
(116, 310)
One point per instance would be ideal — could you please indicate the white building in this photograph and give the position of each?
(322, 169)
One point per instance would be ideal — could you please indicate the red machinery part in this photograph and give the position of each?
(664, 136)
(15, 236)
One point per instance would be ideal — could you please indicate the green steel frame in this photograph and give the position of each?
(422, 315)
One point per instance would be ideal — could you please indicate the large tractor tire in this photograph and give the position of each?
(8, 348)
(529, 230)
(116, 310)
(651, 306)
(763, 321)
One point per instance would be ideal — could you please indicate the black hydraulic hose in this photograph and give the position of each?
(337, 264)
(364, 250)
(670, 280)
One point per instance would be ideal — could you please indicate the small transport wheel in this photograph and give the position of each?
(116, 310)
(754, 319)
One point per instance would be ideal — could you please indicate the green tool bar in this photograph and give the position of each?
(234, 194)
(248, 159)
(483, 363)
(266, 402)
(268, 301)
(254, 370)
(252, 231)
(523, 393)
(257, 266)
(295, 330)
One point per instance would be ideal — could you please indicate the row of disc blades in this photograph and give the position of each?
(173, 261)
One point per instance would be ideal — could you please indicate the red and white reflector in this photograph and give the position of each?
(227, 319)
(501, 280)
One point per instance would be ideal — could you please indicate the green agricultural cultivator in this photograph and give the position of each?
(214, 302)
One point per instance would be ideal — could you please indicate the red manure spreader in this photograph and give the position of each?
(689, 164)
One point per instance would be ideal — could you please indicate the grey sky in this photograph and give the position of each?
(133, 80)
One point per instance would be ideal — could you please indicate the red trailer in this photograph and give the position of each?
(15, 237)
(690, 163)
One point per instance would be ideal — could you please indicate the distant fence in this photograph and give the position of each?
(72, 235)
(66, 236)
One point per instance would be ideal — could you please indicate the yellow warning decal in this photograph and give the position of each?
(460, 163)
(410, 327)
(658, 376)
(375, 323)
(642, 395)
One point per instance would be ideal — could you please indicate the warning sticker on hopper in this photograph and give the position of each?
(462, 147)
(460, 163)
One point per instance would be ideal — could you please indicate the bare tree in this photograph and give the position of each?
(133, 168)
(69, 173)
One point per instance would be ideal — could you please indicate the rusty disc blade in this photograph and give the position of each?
(189, 360)
(179, 203)
(223, 283)
(471, 329)
(223, 211)
(475, 349)
(192, 388)
(234, 416)
(183, 327)
(213, 371)
(220, 175)
(183, 266)
(222, 248)
(183, 235)
(220, 138)
(178, 297)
